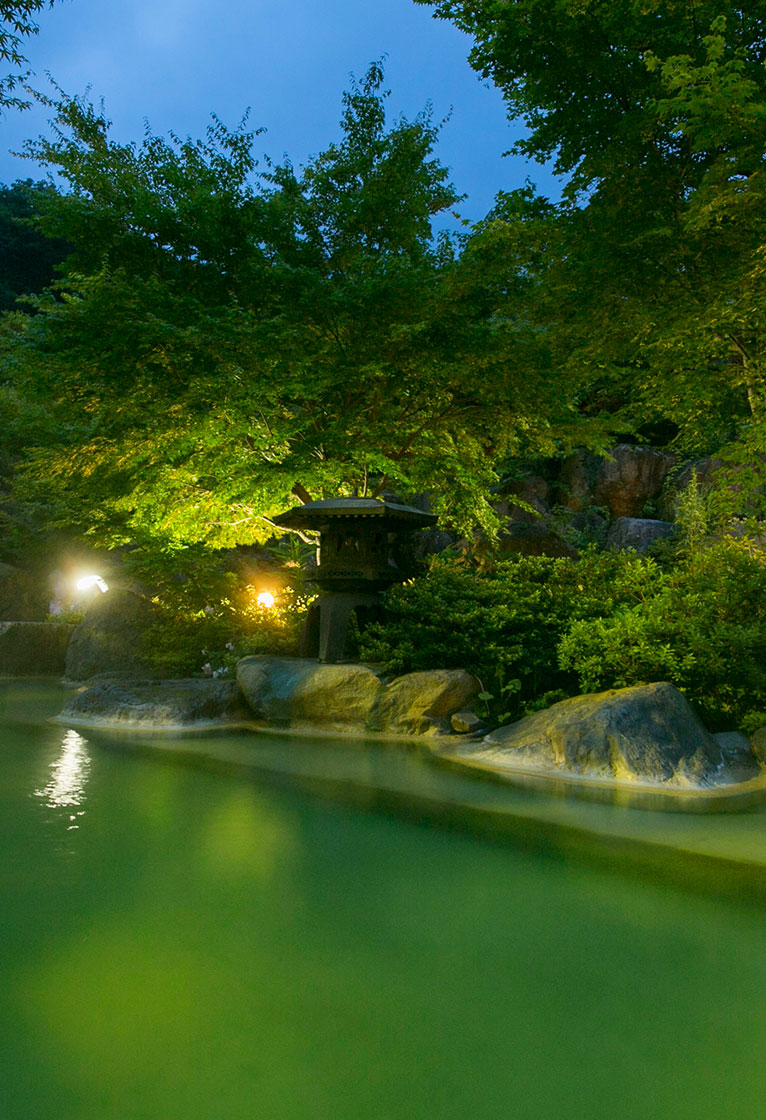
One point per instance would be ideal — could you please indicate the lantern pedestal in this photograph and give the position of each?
(361, 553)
(326, 628)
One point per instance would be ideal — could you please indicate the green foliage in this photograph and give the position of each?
(693, 516)
(536, 629)
(226, 338)
(28, 257)
(702, 627)
(209, 614)
(649, 290)
(504, 623)
(574, 70)
(210, 642)
(16, 22)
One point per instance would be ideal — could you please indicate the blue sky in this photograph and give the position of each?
(174, 61)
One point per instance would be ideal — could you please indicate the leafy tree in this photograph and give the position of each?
(227, 337)
(575, 71)
(16, 22)
(28, 257)
(651, 287)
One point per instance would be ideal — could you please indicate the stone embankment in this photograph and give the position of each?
(284, 692)
(645, 738)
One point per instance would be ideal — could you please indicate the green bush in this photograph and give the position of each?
(212, 641)
(209, 616)
(503, 624)
(703, 627)
(536, 629)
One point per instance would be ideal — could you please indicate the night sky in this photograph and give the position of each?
(172, 62)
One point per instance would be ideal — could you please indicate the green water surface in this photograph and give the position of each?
(179, 944)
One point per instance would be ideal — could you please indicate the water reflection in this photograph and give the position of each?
(69, 777)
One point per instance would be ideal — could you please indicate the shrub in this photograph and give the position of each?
(503, 624)
(703, 627)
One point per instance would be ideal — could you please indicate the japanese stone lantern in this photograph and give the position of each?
(362, 542)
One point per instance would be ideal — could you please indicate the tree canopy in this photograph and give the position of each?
(228, 334)
(653, 267)
(28, 256)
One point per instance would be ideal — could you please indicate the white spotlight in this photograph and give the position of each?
(87, 582)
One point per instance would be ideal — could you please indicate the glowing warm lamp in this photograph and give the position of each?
(87, 582)
(265, 599)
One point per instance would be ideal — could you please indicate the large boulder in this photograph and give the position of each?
(337, 697)
(422, 703)
(577, 480)
(304, 693)
(629, 478)
(536, 539)
(34, 649)
(759, 744)
(647, 734)
(111, 639)
(300, 693)
(533, 490)
(637, 534)
(622, 483)
(156, 705)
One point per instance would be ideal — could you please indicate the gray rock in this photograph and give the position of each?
(577, 480)
(735, 747)
(533, 490)
(647, 734)
(337, 697)
(156, 704)
(539, 539)
(303, 693)
(347, 697)
(637, 534)
(629, 478)
(758, 745)
(621, 483)
(22, 599)
(111, 637)
(466, 723)
(423, 703)
(430, 542)
(590, 526)
(34, 648)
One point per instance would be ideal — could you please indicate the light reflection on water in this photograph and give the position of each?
(69, 777)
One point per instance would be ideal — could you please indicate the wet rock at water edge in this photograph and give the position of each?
(735, 748)
(297, 692)
(423, 703)
(157, 705)
(647, 734)
(466, 723)
(758, 745)
(304, 693)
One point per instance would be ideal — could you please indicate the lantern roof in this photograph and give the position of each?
(316, 515)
